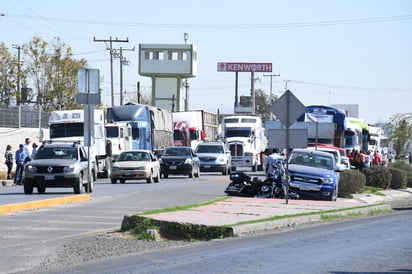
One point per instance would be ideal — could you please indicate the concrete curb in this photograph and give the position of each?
(43, 203)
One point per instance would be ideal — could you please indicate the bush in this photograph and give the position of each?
(399, 179)
(401, 164)
(351, 181)
(378, 176)
(409, 178)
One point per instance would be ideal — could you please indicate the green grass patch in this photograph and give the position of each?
(274, 218)
(185, 207)
(373, 190)
(350, 215)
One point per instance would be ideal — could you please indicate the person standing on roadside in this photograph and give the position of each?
(28, 148)
(8, 155)
(33, 152)
(20, 158)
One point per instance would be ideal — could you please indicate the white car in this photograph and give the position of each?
(135, 165)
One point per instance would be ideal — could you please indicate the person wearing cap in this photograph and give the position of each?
(20, 157)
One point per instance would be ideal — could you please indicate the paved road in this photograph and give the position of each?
(27, 237)
(372, 245)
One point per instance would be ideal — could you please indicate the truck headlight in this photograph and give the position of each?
(188, 161)
(249, 154)
(328, 181)
(31, 169)
(68, 169)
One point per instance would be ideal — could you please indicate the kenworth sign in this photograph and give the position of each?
(244, 67)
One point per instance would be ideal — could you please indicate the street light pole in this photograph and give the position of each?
(18, 47)
(270, 95)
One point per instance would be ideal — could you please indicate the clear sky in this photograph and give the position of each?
(327, 52)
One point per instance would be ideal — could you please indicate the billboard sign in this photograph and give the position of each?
(244, 67)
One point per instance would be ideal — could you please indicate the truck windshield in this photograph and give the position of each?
(66, 130)
(310, 160)
(238, 133)
(112, 132)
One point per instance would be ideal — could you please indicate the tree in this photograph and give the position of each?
(8, 75)
(53, 72)
(402, 132)
(263, 103)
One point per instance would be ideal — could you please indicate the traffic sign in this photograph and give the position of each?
(288, 108)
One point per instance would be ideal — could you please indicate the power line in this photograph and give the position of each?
(355, 21)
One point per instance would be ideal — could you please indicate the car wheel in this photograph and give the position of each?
(157, 178)
(150, 179)
(225, 170)
(166, 175)
(88, 187)
(28, 188)
(122, 181)
(114, 181)
(77, 189)
(197, 172)
(334, 196)
(41, 189)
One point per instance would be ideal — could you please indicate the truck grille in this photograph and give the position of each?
(308, 180)
(236, 149)
(50, 169)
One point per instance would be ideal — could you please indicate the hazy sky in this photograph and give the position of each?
(327, 52)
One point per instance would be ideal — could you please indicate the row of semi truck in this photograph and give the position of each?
(137, 126)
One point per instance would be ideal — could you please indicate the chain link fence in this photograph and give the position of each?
(20, 117)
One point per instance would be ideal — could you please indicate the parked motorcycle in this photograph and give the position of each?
(273, 187)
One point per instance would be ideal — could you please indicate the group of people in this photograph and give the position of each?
(25, 153)
(360, 159)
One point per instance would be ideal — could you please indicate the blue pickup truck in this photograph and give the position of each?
(314, 174)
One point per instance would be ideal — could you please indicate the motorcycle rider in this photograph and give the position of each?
(271, 160)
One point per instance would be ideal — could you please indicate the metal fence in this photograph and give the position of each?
(19, 117)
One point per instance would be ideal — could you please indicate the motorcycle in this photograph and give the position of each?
(273, 187)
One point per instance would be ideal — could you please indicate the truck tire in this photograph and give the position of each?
(28, 188)
(41, 189)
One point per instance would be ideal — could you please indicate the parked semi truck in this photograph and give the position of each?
(152, 127)
(193, 127)
(69, 125)
(244, 136)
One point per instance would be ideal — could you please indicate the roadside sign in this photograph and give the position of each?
(298, 138)
(244, 67)
(288, 108)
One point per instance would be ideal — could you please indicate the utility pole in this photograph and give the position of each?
(270, 95)
(110, 48)
(186, 83)
(123, 61)
(18, 47)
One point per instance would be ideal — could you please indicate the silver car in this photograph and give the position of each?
(135, 165)
(58, 165)
(214, 157)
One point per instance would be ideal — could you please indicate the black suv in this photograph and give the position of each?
(179, 161)
(58, 165)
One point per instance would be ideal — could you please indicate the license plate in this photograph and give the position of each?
(48, 177)
(306, 188)
(128, 173)
(172, 167)
(207, 166)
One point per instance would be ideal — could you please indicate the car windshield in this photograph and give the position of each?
(209, 149)
(133, 156)
(177, 151)
(311, 160)
(57, 153)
